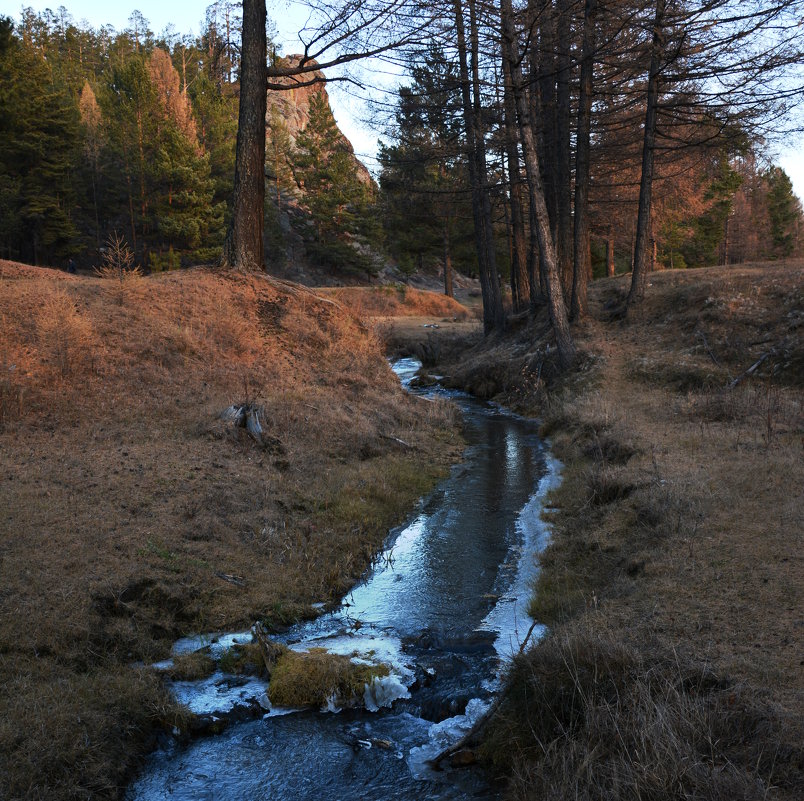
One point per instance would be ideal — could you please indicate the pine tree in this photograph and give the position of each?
(422, 181)
(784, 211)
(332, 192)
(39, 151)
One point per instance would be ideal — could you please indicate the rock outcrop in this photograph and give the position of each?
(293, 106)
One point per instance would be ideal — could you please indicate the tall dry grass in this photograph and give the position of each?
(588, 717)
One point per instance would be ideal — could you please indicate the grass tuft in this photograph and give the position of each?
(311, 678)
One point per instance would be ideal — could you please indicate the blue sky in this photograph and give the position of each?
(289, 17)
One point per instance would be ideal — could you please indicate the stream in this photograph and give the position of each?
(444, 606)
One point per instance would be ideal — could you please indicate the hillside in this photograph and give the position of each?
(132, 514)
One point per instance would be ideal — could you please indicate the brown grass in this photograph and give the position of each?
(678, 522)
(587, 717)
(132, 514)
(396, 301)
(310, 678)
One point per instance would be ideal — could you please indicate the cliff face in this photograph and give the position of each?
(293, 106)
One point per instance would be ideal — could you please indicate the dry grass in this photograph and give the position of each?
(587, 717)
(396, 301)
(132, 515)
(311, 678)
(679, 518)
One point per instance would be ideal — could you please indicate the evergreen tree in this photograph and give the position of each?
(784, 211)
(39, 151)
(422, 181)
(337, 200)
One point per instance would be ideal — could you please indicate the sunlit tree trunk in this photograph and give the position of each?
(243, 246)
(447, 262)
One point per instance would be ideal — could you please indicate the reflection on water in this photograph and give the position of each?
(445, 602)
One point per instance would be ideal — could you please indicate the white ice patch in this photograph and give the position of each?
(383, 691)
(406, 370)
(509, 617)
(217, 694)
(217, 643)
(442, 735)
(331, 704)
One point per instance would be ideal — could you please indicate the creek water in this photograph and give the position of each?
(445, 606)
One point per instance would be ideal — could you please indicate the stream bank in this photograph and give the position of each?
(444, 606)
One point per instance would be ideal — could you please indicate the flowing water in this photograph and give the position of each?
(445, 606)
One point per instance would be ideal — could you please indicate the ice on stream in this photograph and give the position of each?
(509, 617)
(442, 735)
(220, 693)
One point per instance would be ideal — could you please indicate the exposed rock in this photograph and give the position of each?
(293, 106)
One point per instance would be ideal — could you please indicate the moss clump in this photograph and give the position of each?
(311, 678)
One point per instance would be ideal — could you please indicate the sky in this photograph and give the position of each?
(350, 111)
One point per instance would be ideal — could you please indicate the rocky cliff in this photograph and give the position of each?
(293, 106)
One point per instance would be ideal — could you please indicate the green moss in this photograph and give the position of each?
(309, 679)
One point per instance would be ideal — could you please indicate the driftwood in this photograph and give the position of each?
(271, 651)
(396, 440)
(245, 415)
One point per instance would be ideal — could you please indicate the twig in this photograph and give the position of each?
(397, 440)
(236, 580)
(703, 339)
(484, 718)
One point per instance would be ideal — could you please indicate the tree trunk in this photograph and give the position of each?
(563, 226)
(642, 244)
(555, 297)
(543, 102)
(520, 284)
(243, 247)
(582, 258)
(493, 313)
(447, 263)
(610, 254)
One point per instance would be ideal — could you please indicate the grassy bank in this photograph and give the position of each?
(672, 587)
(132, 514)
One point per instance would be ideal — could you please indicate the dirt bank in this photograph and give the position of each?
(673, 583)
(132, 514)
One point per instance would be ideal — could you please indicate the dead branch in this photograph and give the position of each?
(757, 364)
(397, 440)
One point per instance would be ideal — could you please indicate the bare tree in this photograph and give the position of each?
(555, 298)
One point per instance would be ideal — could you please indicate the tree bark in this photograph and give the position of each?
(642, 244)
(582, 257)
(543, 102)
(493, 312)
(564, 233)
(610, 254)
(447, 263)
(520, 283)
(243, 246)
(555, 298)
